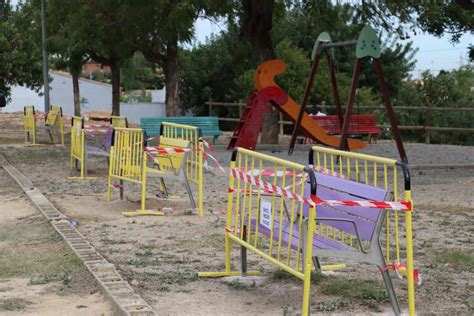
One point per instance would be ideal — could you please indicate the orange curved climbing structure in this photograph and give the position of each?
(265, 77)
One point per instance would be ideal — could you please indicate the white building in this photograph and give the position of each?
(95, 96)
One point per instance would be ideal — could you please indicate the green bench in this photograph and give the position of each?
(209, 125)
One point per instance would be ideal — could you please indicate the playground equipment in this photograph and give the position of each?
(264, 78)
(53, 123)
(128, 162)
(288, 214)
(367, 45)
(80, 151)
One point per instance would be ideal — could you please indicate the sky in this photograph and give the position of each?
(434, 53)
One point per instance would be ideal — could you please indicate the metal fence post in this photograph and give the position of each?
(281, 123)
(427, 124)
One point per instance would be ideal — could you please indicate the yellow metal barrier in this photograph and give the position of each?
(119, 121)
(53, 123)
(194, 162)
(78, 148)
(269, 224)
(385, 173)
(128, 162)
(29, 124)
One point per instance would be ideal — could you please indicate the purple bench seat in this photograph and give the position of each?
(319, 242)
(104, 150)
(334, 188)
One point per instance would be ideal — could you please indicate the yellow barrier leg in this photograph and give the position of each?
(109, 178)
(307, 262)
(62, 132)
(409, 240)
(143, 183)
(201, 181)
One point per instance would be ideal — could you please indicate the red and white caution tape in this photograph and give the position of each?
(207, 145)
(314, 200)
(116, 186)
(216, 162)
(95, 130)
(327, 171)
(268, 187)
(93, 126)
(401, 270)
(272, 173)
(166, 150)
(398, 206)
(40, 115)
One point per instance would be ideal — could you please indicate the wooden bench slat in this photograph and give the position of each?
(209, 125)
(358, 124)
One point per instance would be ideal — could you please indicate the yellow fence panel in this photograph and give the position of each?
(264, 216)
(391, 175)
(53, 124)
(77, 155)
(29, 124)
(194, 163)
(128, 162)
(119, 121)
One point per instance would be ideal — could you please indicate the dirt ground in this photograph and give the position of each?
(39, 275)
(160, 256)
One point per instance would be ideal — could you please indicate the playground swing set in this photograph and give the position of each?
(268, 92)
(53, 124)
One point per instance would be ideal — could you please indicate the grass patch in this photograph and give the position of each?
(352, 288)
(44, 262)
(457, 258)
(33, 231)
(140, 262)
(281, 275)
(14, 304)
(108, 241)
(236, 285)
(165, 278)
(334, 305)
(31, 248)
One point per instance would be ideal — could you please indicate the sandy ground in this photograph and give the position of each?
(160, 256)
(38, 273)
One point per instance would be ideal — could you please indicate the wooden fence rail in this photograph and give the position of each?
(428, 111)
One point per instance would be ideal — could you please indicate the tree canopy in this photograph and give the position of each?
(20, 48)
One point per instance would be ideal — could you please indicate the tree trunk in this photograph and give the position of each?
(115, 69)
(75, 91)
(171, 70)
(256, 28)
